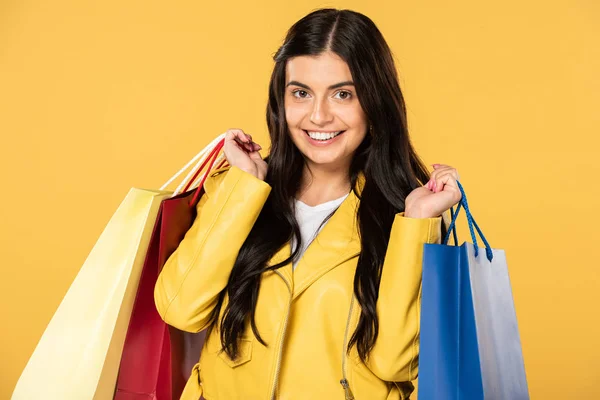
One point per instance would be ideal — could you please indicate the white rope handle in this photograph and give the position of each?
(202, 152)
(193, 171)
(199, 177)
(201, 155)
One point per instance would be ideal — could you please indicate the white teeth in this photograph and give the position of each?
(323, 135)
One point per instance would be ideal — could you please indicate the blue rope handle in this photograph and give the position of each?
(471, 221)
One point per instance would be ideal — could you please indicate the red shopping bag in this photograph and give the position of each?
(157, 359)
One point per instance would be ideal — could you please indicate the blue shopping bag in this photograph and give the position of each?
(470, 347)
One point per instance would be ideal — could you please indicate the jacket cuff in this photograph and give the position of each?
(430, 228)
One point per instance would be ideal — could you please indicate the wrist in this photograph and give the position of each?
(413, 212)
(409, 214)
(254, 173)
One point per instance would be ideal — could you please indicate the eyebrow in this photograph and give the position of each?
(335, 86)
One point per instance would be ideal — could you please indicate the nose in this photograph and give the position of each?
(321, 113)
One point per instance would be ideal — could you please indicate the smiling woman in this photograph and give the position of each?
(336, 314)
(325, 118)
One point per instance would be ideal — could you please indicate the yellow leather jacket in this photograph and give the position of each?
(306, 315)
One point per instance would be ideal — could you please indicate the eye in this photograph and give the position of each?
(304, 92)
(346, 94)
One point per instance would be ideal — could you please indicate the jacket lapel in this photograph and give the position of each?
(336, 243)
(286, 271)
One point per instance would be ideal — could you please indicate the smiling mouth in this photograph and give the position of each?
(323, 137)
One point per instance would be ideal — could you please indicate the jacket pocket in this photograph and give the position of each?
(245, 354)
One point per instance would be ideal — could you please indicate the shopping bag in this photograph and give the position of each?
(469, 342)
(79, 352)
(157, 359)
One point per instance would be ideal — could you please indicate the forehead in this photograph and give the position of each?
(322, 70)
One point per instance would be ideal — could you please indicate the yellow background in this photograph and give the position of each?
(96, 97)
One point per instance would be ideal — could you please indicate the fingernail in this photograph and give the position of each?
(434, 186)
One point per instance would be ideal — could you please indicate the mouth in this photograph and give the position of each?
(322, 137)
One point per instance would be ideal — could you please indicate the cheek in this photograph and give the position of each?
(294, 115)
(355, 116)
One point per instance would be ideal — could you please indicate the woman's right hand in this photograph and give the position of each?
(242, 152)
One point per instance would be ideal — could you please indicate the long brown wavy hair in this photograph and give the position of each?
(387, 158)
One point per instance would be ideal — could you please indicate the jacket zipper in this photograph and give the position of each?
(276, 381)
(347, 391)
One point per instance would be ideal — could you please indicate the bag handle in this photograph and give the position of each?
(192, 183)
(200, 155)
(200, 159)
(213, 159)
(192, 180)
(471, 221)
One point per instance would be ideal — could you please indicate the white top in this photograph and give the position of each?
(309, 218)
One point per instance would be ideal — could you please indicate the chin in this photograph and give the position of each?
(324, 161)
(324, 158)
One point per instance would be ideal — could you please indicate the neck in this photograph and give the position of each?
(322, 183)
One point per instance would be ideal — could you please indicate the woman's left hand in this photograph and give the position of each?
(436, 196)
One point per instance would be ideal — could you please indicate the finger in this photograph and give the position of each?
(439, 172)
(436, 184)
(434, 175)
(233, 133)
(441, 169)
(444, 180)
(255, 155)
(249, 146)
(242, 145)
(432, 184)
(242, 139)
(436, 166)
(238, 134)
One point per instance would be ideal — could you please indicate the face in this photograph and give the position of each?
(324, 116)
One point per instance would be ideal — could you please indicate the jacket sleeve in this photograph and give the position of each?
(191, 279)
(394, 356)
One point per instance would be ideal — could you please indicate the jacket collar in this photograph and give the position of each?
(336, 243)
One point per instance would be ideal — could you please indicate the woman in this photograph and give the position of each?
(339, 317)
